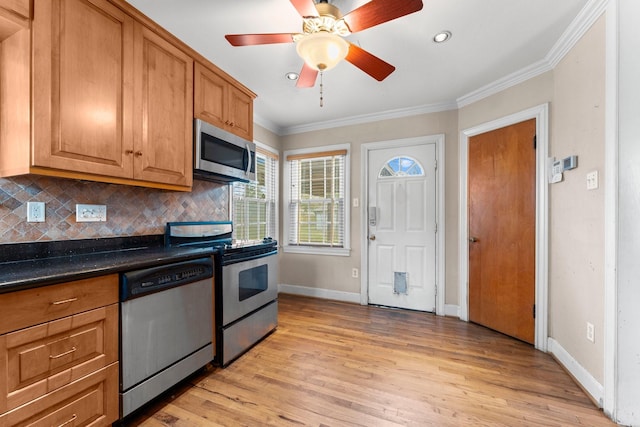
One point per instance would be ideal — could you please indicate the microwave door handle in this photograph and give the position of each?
(249, 162)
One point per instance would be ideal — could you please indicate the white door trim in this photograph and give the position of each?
(440, 216)
(541, 114)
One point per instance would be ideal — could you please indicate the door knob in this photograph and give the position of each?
(372, 237)
(473, 239)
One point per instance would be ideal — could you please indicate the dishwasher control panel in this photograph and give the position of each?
(154, 279)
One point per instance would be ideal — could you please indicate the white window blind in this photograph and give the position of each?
(317, 214)
(255, 203)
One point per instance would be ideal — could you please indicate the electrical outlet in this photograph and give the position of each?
(590, 332)
(91, 213)
(35, 211)
(354, 273)
(592, 180)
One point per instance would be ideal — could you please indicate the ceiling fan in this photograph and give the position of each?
(321, 43)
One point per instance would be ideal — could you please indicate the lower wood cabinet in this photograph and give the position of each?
(46, 357)
(59, 354)
(89, 401)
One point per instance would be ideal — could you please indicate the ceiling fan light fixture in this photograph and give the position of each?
(442, 36)
(322, 51)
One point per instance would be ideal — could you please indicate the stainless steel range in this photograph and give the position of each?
(246, 294)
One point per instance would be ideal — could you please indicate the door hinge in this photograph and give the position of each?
(435, 165)
(535, 141)
(435, 228)
(534, 311)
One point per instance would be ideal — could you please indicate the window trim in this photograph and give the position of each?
(286, 200)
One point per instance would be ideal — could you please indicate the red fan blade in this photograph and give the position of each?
(379, 11)
(305, 7)
(307, 77)
(370, 64)
(253, 39)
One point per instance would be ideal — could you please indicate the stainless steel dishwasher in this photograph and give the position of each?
(166, 321)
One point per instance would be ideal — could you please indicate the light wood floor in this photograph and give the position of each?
(340, 364)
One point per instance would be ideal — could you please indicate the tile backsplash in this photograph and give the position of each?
(131, 211)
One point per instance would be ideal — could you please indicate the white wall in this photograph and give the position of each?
(333, 273)
(576, 216)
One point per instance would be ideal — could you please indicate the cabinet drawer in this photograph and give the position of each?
(90, 401)
(46, 357)
(22, 309)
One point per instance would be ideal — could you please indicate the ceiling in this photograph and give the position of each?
(491, 39)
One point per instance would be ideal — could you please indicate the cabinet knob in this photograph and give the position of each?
(138, 153)
(128, 152)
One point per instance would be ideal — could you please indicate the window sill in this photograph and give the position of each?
(313, 250)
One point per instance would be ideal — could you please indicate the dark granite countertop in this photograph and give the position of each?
(24, 266)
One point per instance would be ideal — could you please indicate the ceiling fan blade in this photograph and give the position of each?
(379, 11)
(307, 76)
(305, 7)
(253, 39)
(370, 64)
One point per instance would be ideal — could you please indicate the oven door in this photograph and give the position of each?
(247, 286)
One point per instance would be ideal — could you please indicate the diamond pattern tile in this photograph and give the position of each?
(131, 211)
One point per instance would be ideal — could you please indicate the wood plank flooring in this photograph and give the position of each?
(338, 364)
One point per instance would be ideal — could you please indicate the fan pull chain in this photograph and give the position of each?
(321, 98)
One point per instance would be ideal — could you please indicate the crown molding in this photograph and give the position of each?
(368, 118)
(506, 82)
(578, 27)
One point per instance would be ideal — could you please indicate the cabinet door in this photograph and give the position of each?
(210, 96)
(240, 113)
(163, 135)
(218, 102)
(14, 16)
(83, 68)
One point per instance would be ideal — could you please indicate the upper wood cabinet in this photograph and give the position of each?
(82, 79)
(221, 103)
(14, 16)
(110, 96)
(163, 113)
(93, 89)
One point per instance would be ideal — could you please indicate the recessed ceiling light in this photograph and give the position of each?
(292, 76)
(442, 36)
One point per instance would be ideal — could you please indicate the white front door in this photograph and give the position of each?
(401, 221)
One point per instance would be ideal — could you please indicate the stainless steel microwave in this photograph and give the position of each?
(222, 156)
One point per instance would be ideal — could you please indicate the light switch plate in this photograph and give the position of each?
(91, 213)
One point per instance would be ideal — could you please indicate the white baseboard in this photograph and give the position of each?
(586, 380)
(452, 310)
(319, 293)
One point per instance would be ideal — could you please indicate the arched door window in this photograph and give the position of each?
(401, 166)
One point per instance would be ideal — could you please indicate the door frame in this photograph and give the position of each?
(541, 114)
(437, 139)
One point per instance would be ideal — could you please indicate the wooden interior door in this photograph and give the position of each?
(502, 206)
